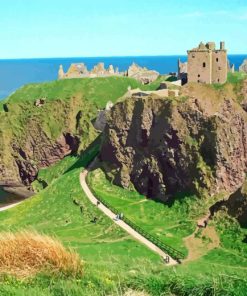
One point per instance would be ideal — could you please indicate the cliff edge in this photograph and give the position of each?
(195, 143)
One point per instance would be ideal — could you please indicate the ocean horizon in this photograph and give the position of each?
(15, 73)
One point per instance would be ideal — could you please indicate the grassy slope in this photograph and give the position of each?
(70, 107)
(169, 224)
(107, 250)
(111, 254)
(233, 79)
(97, 90)
(52, 211)
(173, 223)
(62, 97)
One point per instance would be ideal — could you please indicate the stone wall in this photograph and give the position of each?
(199, 66)
(219, 66)
(207, 65)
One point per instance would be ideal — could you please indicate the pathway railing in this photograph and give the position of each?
(175, 254)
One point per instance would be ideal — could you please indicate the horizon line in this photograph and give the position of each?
(92, 57)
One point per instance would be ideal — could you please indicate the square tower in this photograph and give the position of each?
(206, 64)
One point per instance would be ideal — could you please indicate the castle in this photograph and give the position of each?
(141, 74)
(206, 64)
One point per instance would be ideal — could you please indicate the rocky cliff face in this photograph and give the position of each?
(196, 143)
(33, 137)
(243, 67)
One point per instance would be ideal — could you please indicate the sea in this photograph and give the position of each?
(18, 72)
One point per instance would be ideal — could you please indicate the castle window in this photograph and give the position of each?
(218, 80)
(193, 55)
(199, 75)
(217, 59)
(204, 65)
(219, 68)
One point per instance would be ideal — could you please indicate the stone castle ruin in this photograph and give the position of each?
(80, 70)
(206, 64)
(243, 66)
(182, 71)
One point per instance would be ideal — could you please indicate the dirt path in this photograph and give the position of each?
(121, 223)
(199, 246)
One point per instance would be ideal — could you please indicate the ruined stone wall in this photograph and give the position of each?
(219, 66)
(199, 66)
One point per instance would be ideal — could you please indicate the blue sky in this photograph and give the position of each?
(70, 28)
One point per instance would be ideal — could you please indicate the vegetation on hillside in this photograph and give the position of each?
(168, 223)
(33, 135)
(114, 263)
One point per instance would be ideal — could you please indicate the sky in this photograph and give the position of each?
(83, 28)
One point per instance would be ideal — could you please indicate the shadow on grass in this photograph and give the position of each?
(87, 155)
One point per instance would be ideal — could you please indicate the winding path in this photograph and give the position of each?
(121, 223)
(5, 208)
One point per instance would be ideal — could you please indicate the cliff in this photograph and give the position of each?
(194, 143)
(35, 137)
(42, 123)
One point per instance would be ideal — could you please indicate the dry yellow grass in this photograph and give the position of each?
(26, 253)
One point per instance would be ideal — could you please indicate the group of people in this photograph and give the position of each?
(119, 217)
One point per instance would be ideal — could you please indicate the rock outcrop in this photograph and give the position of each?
(243, 67)
(143, 75)
(235, 205)
(33, 138)
(243, 95)
(100, 121)
(197, 143)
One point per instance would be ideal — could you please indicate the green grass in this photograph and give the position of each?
(169, 224)
(236, 79)
(109, 253)
(172, 223)
(53, 211)
(114, 261)
(97, 90)
(70, 107)
(50, 174)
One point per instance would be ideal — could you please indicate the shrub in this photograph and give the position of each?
(27, 253)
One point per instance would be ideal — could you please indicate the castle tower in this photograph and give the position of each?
(182, 72)
(222, 45)
(60, 72)
(206, 64)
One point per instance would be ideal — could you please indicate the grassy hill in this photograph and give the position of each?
(114, 262)
(108, 251)
(218, 252)
(30, 134)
